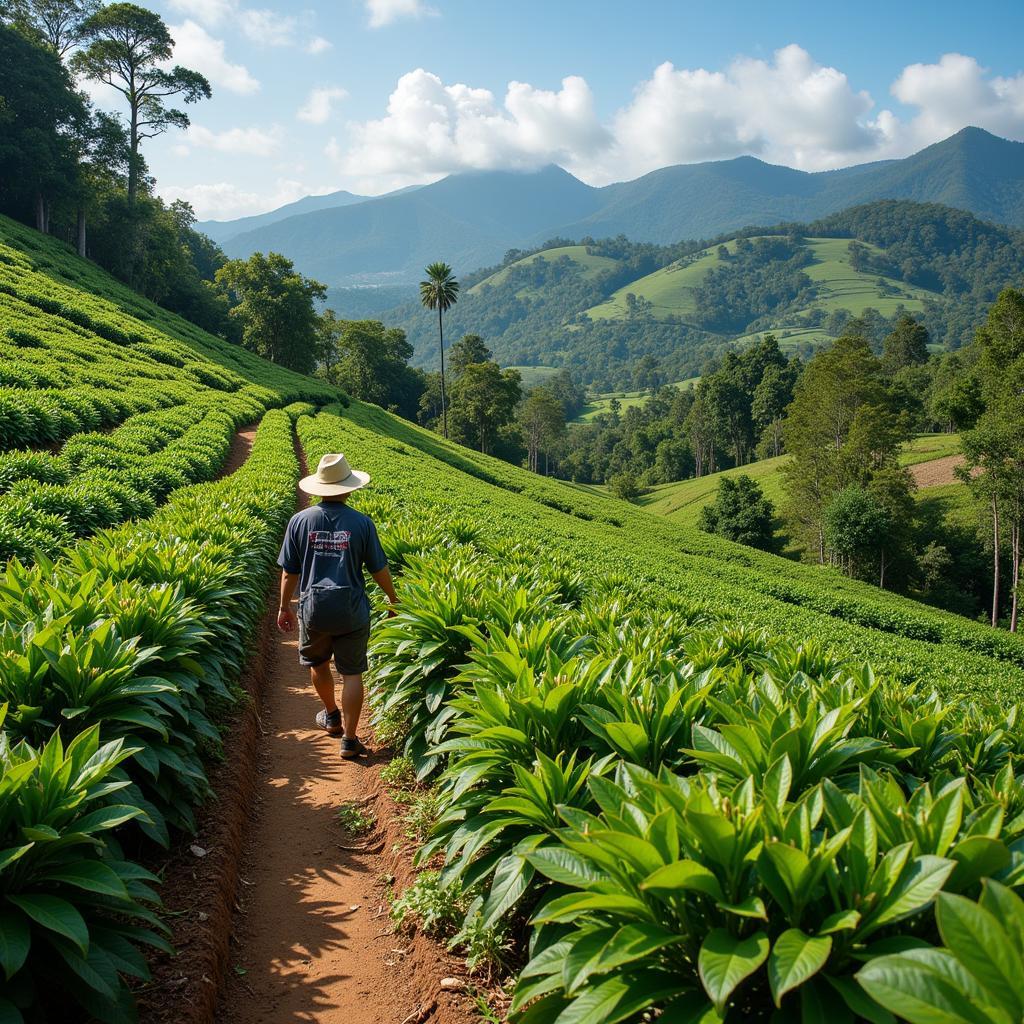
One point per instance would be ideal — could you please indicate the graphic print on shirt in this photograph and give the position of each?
(330, 542)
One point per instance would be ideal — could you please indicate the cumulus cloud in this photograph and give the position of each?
(431, 129)
(225, 200)
(788, 109)
(384, 12)
(317, 108)
(318, 45)
(236, 141)
(258, 24)
(954, 93)
(196, 48)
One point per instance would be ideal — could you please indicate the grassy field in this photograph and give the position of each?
(590, 265)
(682, 501)
(535, 375)
(671, 289)
(627, 399)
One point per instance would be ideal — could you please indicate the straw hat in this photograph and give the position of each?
(334, 477)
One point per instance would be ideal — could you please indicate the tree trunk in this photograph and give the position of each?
(995, 562)
(1015, 575)
(133, 157)
(81, 232)
(444, 408)
(40, 213)
(881, 571)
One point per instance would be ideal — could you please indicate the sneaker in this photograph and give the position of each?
(351, 748)
(330, 721)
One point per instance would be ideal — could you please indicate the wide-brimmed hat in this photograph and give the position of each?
(333, 477)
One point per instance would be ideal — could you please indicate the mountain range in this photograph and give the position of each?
(471, 219)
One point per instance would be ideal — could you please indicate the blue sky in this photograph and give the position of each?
(371, 95)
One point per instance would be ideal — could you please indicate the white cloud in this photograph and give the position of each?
(225, 200)
(267, 27)
(317, 108)
(384, 12)
(207, 12)
(196, 48)
(432, 129)
(258, 24)
(318, 45)
(788, 109)
(951, 94)
(237, 141)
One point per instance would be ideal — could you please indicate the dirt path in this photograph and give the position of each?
(311, 938)
(937, 472)
(241, 445)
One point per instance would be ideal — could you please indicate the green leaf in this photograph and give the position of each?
(91, 876)
(563, 866)
(916, 888)
(9, 1013)
(795, 957)
(512, 878)
(725, 961)
(618, 998)
(682, 876)
(912, 991)
(841, 921)
(13, 853)
(56, 915)
(15, 940)
(975, 937)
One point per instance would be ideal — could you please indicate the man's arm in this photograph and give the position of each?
(383, 580)
(285, 617)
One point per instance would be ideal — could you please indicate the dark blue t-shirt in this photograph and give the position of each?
(331, 543)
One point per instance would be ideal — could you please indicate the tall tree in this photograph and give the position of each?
(470, 348)
(906, 345)
(276, 308)
(59, 23)
(741, 512)
(440, 291)
(127, 49)
(484, 399)
(40, 116)
(542, 419)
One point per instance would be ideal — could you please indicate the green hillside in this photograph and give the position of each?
(551, 647)
(838, 286)
(590, 266)
(683, 501)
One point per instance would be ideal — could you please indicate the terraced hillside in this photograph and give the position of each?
(590, 687)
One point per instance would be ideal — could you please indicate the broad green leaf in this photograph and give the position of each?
(563, 866)
(841, 921)
(795, 957)
(682, 876)
(912, 991)
(618, 998)
(15, 941)
(92, 876)
(725, 961)
(56, 915)
(978, 941)
(916, 887)
(9, 1013)
(512, 878)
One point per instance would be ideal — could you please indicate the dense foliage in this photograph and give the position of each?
(649, 806)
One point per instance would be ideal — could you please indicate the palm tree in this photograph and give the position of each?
(440, 291)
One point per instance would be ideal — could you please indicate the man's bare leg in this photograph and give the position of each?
(351, 703)
(323, 683)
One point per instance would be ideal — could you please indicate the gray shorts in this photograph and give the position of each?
(347, 649)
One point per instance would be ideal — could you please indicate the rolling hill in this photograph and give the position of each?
(471, 219)
(596, 309)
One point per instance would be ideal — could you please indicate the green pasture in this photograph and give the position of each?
(590, 265)
(602, 403)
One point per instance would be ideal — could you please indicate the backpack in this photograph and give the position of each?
(327, 606)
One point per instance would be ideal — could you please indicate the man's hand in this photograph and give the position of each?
(285, 620)
(391, 610)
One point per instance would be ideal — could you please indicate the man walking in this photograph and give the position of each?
(326, 547)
